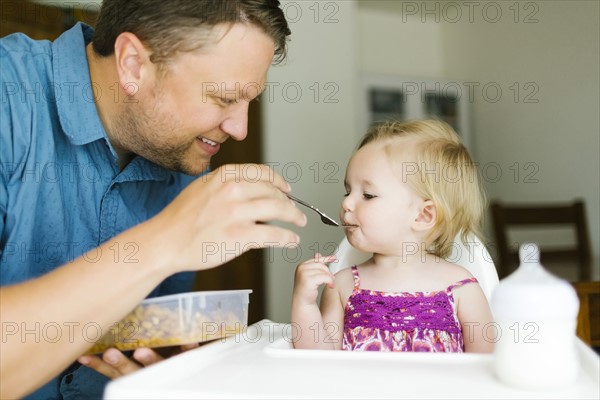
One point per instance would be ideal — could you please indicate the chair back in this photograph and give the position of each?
(541, 217)
(473, 256)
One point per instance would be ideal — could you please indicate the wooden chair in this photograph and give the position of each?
(588, 319)
(541, 216)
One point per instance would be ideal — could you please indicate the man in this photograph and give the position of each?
(103, 136)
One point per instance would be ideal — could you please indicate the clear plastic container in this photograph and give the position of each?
(179, 319)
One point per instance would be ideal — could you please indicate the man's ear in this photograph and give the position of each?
(132, 62)
(427, 216)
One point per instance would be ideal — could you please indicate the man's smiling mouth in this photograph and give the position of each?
(208, 141)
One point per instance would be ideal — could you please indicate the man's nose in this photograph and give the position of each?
(236, 122)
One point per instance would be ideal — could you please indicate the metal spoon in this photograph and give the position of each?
(326, 220)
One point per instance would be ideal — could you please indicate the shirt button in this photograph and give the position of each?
(69, 379)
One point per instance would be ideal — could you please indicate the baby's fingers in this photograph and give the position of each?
(324, 259)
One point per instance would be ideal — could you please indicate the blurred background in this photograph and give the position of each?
(519, 80)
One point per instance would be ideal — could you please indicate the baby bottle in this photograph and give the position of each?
(536, 317)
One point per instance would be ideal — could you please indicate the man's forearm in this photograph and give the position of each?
(57, 317)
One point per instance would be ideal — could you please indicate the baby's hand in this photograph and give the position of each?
(309, 276)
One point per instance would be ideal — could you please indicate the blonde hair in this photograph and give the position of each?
(442, 172)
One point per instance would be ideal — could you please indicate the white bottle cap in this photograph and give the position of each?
(531, 292)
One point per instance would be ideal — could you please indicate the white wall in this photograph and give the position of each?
(387, 45)
(309, 139)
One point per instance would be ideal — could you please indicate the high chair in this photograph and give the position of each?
(475, 258)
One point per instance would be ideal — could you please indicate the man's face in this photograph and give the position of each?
(179, 120)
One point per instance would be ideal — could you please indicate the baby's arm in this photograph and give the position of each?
(308, 326)
(474, 315)
(332, 309)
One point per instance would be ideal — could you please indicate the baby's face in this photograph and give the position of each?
(379, 210)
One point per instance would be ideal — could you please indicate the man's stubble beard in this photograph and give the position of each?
(145, 133)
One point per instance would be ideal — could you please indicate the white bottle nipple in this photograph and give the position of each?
(529, 253)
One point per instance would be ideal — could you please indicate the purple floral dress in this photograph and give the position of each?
(402, 321)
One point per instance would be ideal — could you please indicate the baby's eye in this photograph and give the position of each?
(346, 194)
(368, 196)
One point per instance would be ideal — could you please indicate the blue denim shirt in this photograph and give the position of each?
(61, 190)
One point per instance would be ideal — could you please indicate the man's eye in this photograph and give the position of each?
(228, 102)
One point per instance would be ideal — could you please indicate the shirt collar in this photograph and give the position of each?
(76, 107)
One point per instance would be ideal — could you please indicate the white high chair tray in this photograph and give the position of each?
(259, 363)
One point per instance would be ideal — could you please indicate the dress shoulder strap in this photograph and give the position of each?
(356, 277)
(460, 283)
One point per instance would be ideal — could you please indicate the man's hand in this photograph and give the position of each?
(222, 215)
(114, 364)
